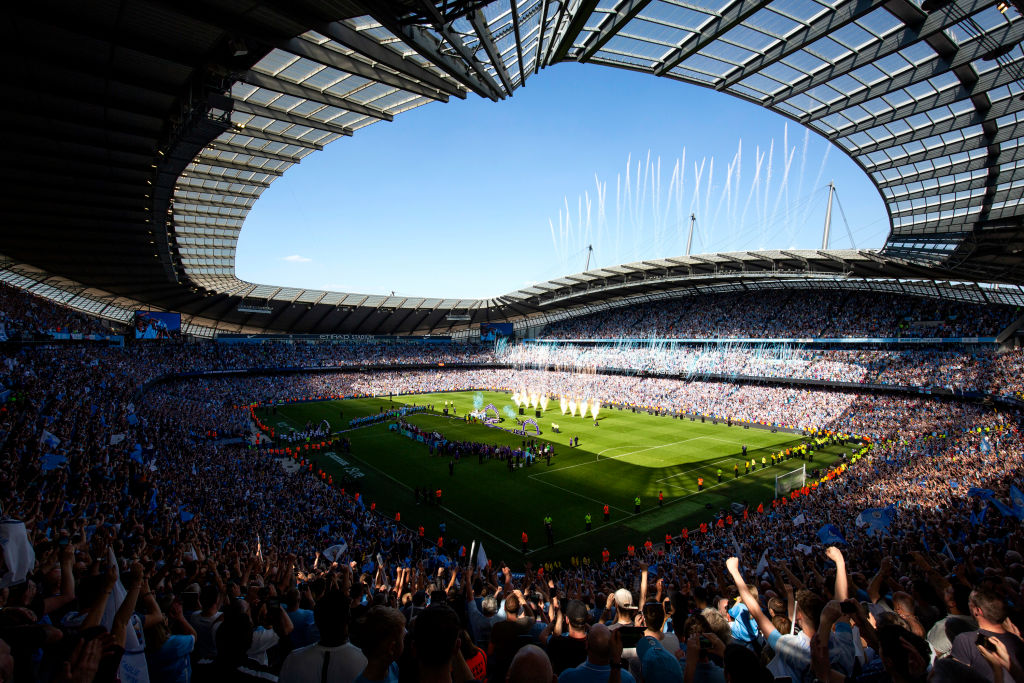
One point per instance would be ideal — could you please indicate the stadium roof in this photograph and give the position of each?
(140, 132)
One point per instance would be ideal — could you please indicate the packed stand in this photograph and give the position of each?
(787, 314)
(25, 317)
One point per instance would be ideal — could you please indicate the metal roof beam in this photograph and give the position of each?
(201, 175)
(1005, 194)
(572, 30)
(543, 27)
(991, 79)
(479, 23)
(1004, 176)
(410, 71)
(176, 201)
(1002, 107)
(731, 16)
(967, 144)
(268, 82)
(232, 148)
(519, 41)
(336, 60)
(802, 37)
(257, 134)
(973, 164)
(610, 25)
(208, 212)
(186, 186)
(929, 24)
(429, 47)
(967, 53)
(278, 115)
(236, 166)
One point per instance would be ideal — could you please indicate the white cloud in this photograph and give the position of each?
(295, 258)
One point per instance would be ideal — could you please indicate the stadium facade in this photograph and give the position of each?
(141, 133)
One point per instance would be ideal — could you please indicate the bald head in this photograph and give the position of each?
(530, 664)
(599, 645)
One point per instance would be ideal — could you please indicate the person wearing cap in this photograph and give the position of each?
(567, 650)
(655, 663)
(604, 653)
(625, 609)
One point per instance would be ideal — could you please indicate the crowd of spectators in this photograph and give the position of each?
(27, 317)
(789, 314)
(981, 369)
(147, 539)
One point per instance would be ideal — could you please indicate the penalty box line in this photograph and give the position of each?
(442, 507)
(578, 495)
(616, 457)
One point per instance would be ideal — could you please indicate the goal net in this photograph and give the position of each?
(784, 483)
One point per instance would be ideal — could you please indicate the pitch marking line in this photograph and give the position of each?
(616, 457)
(578, 495)
(446, 509)
(694, 468)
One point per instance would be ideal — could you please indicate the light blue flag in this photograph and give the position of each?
(877, 519)
(1004, 509)
(52, 461)
(1017, 500)
(830, 534)
(49, 439)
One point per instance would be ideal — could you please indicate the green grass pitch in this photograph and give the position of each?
(628, 455)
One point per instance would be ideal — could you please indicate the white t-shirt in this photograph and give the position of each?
(306, 664)
(262, 640)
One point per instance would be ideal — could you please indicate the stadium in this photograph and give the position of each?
(781, 463)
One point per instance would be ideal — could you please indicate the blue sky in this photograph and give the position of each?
(475, 199)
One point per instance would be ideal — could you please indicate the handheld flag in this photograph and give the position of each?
(1017, 499)
(49, 439)
(876, 519)
(481, 558)
(335, 551)
(830, 535)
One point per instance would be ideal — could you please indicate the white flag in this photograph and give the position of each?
(481, 558)
(762, 565)
(133, 667)
(335, 551)
(799, 519)
(49, 439)
(18, 553)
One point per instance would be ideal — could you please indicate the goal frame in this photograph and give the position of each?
(803, 479)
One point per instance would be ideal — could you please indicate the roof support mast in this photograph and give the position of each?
(828, 216)
(689, 238)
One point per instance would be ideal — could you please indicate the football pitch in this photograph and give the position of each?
(628, 455)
